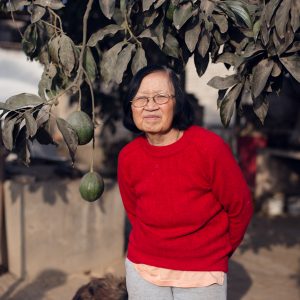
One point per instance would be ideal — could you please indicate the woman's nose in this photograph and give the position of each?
(151, 104)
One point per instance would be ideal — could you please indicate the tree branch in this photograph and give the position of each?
(84, 33)
(77, 81)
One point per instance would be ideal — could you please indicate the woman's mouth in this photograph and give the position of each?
(151, 117)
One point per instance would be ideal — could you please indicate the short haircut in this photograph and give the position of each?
(183, 113)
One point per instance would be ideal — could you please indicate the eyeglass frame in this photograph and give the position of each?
(153, 98)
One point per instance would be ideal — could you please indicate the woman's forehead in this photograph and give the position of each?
(156, 82)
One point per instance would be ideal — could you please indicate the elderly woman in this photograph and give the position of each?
(184, 194)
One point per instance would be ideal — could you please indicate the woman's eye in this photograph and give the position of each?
(161, 97)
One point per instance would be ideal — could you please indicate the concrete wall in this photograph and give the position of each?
(50, 226)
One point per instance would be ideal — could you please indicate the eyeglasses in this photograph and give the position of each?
(159, 99)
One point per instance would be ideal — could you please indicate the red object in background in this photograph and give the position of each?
(247, 151)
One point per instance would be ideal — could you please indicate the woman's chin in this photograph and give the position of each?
(150, 128)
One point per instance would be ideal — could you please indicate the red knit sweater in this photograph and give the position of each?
(187, 202)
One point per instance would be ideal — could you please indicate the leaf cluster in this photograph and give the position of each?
(25, 117)
(259, 41)
(267, 51)
(44, 40)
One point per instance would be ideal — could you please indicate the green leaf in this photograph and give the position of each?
(276, 71)
(282, 17)
(54, 4)
(37, 13)
(31, 125)
(159, 3)
(256, 29)
(123, 4)
(221, 21)
(148, 33)
(107, 7)
(261, 73)
(139, 60)
(246, 96)
(29, 41)
(265, 32)
(150, 19)
(220, 38)
(228, 104)
(295, 14)
(182, 14)
(118, 17)
(66, 54)
(69, 135)
(242, 45)
(270, 9)
(43, 116)
(223, 83)
(221, 95)
(247, 32)
(54, 45)
(122, 62)
(44, 137)
(147, 4)
(237, 11)
(89, 64)
(204, 43)
(43, 55)
(103, 32)
(7, 133)
(191, 37)
(292, 64)
(260, 107)
(200, 63)
(108, 62)
(214, 50)
(21, 146)
(23, 100)
(171, 46)
(230, 59)
(282, 44)
(14, 5)
(170, 11)
(45, 83)
(294, 48)
(207, 6)
(159, 32)
(253, 50)
(208, 25)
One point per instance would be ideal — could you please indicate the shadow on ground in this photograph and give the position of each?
(44, 281)
(239, 281)
(265, 232)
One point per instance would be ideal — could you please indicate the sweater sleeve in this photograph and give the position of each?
(231, 190)
(126, 190)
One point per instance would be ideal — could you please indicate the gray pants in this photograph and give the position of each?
(140, 289)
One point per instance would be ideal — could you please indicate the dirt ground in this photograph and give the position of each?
(265, 267)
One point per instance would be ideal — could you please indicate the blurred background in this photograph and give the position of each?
(52, 242)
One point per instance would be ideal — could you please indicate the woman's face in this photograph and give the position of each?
(154, 118)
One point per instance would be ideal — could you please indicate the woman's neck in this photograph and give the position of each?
(164, 139)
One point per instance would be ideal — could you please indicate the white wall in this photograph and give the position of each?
(206, 95)
(17, 74)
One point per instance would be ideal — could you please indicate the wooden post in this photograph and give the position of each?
(3, 244)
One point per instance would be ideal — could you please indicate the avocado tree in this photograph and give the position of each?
(260, 40)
